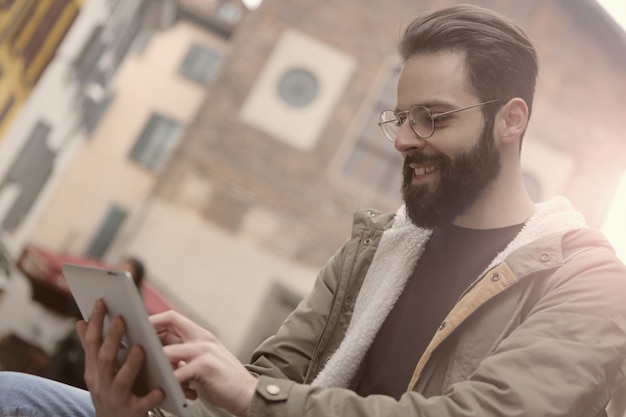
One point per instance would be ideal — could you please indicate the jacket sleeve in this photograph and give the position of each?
(287, 354)
(562, 361)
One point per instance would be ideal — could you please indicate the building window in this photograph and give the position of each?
(374, 162)
(142, 40)
(200, 63)
(107, 231)
(93, 110)
(298, 87)
(278, 303)
(156, 141)
(6, 4)
(230, 13)
(87, 61)
(29, 172)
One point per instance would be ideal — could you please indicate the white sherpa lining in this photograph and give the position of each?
(390, 271)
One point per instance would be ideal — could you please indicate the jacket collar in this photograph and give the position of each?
(391, 267)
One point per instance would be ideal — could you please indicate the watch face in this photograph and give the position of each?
(298, 87)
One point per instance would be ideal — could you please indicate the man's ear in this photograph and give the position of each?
(511, 121)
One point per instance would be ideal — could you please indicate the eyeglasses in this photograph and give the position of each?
(421, 119)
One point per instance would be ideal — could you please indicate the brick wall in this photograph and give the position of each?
(581, 95)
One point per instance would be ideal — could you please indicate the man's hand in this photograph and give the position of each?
(204, 365)
(109, 386)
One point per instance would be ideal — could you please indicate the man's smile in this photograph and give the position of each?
(422, 173)
(423, 170)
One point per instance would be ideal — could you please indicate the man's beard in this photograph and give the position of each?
(462, 180)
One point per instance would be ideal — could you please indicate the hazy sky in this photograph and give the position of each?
(252, 4)
(616, 8)
(615, 224)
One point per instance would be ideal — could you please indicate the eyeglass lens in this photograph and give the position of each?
(421, 122)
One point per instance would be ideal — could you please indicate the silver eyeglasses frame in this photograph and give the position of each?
(433, 119)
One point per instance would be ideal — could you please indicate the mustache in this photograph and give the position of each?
(417, 157)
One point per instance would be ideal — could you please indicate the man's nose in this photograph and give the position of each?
(407, 139)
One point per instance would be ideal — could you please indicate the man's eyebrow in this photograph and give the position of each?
(439, 103)
(429, 104)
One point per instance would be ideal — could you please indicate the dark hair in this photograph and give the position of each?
(500, 59)
(138, 270)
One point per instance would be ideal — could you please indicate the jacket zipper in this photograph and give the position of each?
(332, 306)
(319, 341)
(473, 284)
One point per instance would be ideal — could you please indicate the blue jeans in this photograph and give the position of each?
(23, 395)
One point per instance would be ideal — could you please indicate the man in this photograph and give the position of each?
(469, 301)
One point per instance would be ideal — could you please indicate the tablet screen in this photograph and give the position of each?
(121, 297)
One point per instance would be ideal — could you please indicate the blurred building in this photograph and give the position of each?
(88, 148)
(231, 160)
(153, 97)
(30, 33)
(61, 107)
(50, 141)
(262, 186)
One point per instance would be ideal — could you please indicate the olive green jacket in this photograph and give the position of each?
(541, 333)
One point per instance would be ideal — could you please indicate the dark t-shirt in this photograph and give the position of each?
(453, 258)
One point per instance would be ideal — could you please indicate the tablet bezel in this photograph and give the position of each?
(122, 298)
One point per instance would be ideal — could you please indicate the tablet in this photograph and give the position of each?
(122, 298)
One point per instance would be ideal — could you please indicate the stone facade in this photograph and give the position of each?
(298, 203)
